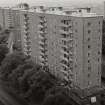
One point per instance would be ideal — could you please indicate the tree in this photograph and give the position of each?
(57, 96)
(57, 99)
(11, 62)
(21, 71)
(3, 51)
(38, 84)
(4, 35)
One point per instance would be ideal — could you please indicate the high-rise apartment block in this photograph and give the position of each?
(69, 44)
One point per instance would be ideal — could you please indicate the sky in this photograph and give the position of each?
(49, 2)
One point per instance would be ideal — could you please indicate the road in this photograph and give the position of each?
(7, 99)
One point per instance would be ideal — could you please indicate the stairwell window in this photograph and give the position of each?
(89, 23)
(89, 31)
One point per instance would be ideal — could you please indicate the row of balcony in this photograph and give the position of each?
(43, 41)
(27, 41)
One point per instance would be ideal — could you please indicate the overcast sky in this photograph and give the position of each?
(48, 2)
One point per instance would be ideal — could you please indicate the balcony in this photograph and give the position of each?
(44, 40)
(42, 32)
(68, 25)
(40, 26)
(43, 55)
(41, 59)
(43, 49)
(70, 31)
(44, 24)
(64, 52)
(27, 53)
(64, 35)
(64, 58)
(66, 39)
(64, 46)
(26, 18)
(41, 43)
(41, 36)
(64, 32)
(71, 59)
(26, 23)
(43, 20)
(42, 64)
(64, 25)
(28, 43)
(26, 28)
(64, 65)
(27, 50)
(28, 47)
(70, 53)
(26, 32)
(26, 37)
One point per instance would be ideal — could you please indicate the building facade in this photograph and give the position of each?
(70, 45)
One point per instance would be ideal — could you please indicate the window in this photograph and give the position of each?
(99, 30)
(88, 54)
(75, 65)
(80, 10)
(99, 22)
(76, 30)
(65, 22)
(88, 39)
(88, 75)
(64, 42)
(65, 49)
(88, 61)
(89, 23)
(65, 28)
(75, 23)
(89, 68)
(89, 46)
(25, 15)
(89, 83)
(65, 56)
(98, 59)
(99, 52)
(89, 31)
(64, 35)
(99, 38)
